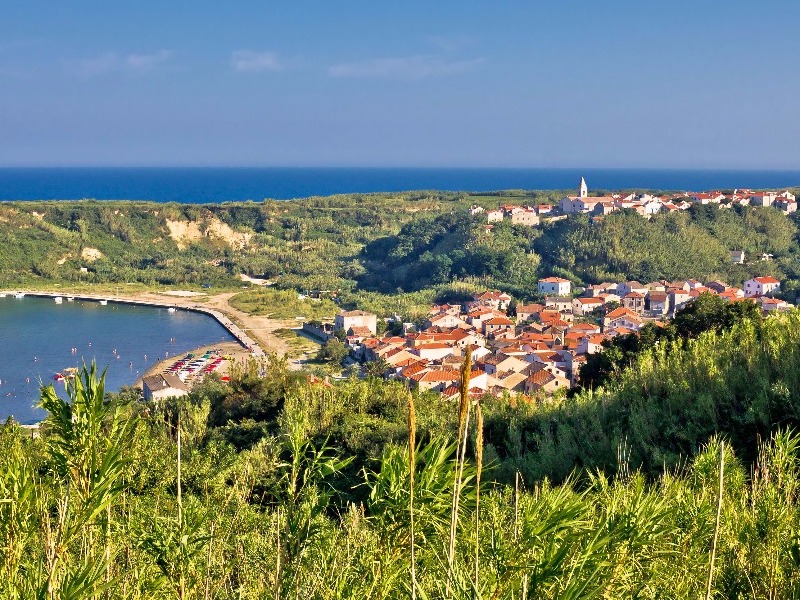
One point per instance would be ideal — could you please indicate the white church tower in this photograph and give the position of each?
(583, 191)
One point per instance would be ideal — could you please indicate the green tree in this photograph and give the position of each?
(333, 351)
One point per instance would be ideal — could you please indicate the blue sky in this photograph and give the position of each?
(561, 83)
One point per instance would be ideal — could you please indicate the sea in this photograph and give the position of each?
(40, 338)
(207, 185)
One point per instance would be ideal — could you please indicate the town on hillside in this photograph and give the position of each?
(533, 349)
(646, 205)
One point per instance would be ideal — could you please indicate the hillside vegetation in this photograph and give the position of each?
(280, 486)
(377, 249)
(620, 247)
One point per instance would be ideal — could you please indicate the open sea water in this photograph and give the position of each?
(39, 338)
(205, 185)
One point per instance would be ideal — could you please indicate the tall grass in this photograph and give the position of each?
(89, 510)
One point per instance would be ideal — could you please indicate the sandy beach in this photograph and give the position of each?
(235, 351)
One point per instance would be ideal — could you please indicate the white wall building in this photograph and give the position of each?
(554, 286)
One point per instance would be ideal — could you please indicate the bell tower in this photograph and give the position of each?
(583, 191)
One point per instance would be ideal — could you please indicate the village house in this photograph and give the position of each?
(445, 320)
(717, 286)
(679, 297)
(500, 363)
(494, 216)
(543, 381)
(634, 301)
(347, 320)
(496, 325)
(732, 294)
(434, 379)
(601, 288)
(763, 199)
(555, 286)
(527, 312)
(658, 303)
(434, 351)
(591, 344)
(586, 305)
(761, 286)
(493, 299)
(737, 257)
(623, 289)
(622, 317)
(768, 304)
(162, 386)
(558, 303)
(786, 205)
(707, 197)
(525, 216)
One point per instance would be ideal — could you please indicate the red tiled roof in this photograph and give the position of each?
(499, 321)
(621, 312)
(541, 377)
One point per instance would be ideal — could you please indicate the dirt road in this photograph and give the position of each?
(261, 329)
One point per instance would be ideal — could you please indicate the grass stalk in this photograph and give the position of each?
(479, 469)
(717, 520)
(181, 580)
(461, 448)
(412, 442)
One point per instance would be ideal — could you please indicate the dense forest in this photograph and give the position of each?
(677, 479)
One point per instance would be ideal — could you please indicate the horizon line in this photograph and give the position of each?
(409, 167)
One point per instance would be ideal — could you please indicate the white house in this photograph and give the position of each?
(555, 286)
(762, 199)
(166, 385)
(584, 306)
(493, 216)
(760, 286)
(346, 320)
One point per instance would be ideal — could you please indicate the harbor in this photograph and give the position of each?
(243, 338)
(42, 339)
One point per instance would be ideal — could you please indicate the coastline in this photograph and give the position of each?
(238, 334)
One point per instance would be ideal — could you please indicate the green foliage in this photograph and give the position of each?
(429, 252)
(333, 350)
(706, 313)
(88, 510)
(282, 304)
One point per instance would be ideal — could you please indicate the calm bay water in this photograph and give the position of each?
(197, 185)
(37, 337)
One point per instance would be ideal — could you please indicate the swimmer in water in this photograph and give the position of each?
(145, 356)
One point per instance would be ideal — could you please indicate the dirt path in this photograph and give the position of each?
(261, 329)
